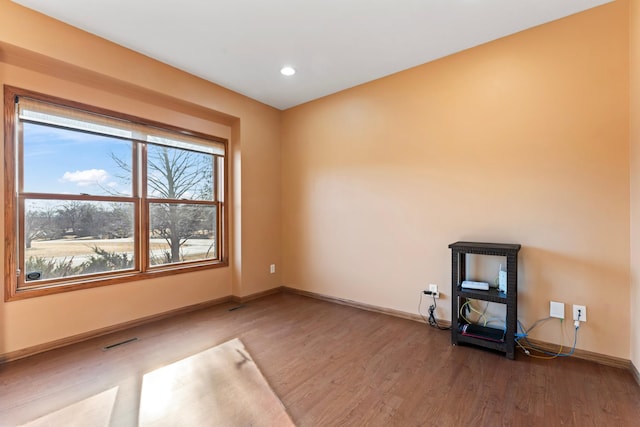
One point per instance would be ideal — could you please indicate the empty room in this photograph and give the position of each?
(320, 213)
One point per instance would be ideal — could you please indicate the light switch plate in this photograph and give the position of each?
(556, 309)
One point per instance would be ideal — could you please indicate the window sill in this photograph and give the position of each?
(57, 288)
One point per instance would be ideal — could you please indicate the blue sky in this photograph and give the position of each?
(69, 162)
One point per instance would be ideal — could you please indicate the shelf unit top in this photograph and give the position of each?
(485, 248)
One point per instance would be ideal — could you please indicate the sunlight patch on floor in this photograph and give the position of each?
(95, 410)
(221, 386)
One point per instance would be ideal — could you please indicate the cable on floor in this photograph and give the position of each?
(431, 319)
(529, 347)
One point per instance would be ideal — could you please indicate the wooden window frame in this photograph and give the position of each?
(142, 269)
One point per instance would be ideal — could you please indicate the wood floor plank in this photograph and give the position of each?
(330, 365)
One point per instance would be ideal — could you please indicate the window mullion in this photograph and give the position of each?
(142, 230)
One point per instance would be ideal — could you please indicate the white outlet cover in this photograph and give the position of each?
(583, 312)
(556, 309)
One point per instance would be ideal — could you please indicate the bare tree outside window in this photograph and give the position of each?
(179, 175)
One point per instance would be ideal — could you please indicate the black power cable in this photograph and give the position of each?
(431, 320)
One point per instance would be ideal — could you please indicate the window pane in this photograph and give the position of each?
(70, 238)
(176, 174)
(179, 233)
(70, 162)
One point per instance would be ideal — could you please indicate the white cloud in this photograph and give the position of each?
(86, 177)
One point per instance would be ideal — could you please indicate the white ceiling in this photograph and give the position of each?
(333, 44)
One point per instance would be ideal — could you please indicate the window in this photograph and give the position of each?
(94, 197)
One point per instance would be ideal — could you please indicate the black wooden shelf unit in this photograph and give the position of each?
(459, 296)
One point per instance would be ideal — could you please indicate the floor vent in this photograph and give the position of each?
(237, 307)
(118, 344)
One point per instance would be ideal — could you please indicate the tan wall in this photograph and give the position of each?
(634, 68)
(529, 131)
(522, 140)
(42, 54)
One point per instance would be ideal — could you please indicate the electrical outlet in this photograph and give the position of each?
(434, 290)
(556, 309)
(582, 310)
(272, 268)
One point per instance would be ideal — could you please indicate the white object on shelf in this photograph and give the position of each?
(469, 284)
(502, 280)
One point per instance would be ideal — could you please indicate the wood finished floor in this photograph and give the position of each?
(332, 365)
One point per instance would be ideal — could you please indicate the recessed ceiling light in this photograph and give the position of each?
(287, 71)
